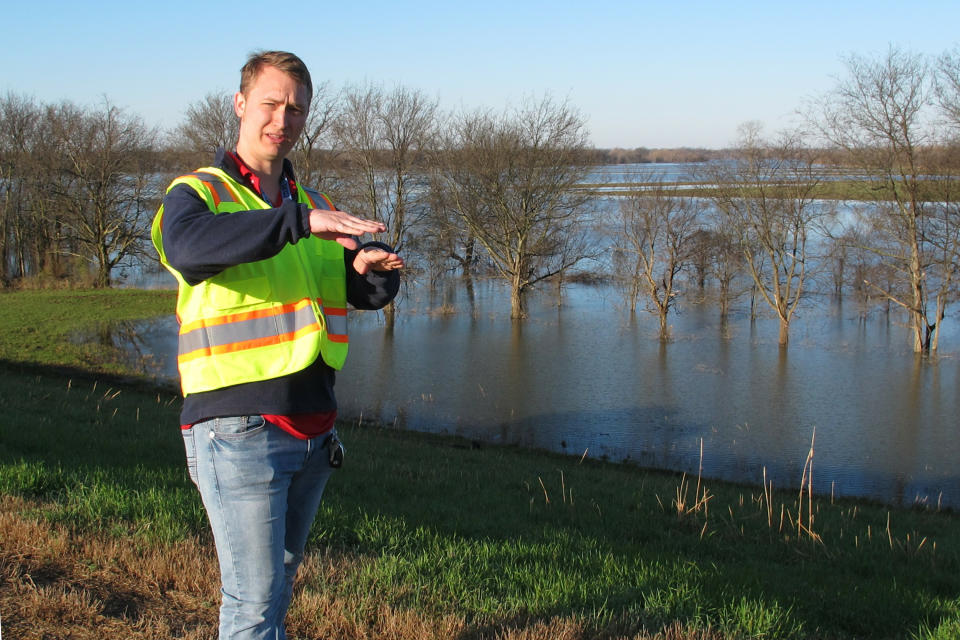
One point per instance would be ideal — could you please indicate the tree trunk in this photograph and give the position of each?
(724, 299)
(918, 328)
(941, 311)
(518, 309)
(103, 269)
(390, 314)
(103, 278)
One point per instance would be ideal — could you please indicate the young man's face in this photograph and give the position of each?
(272, 115)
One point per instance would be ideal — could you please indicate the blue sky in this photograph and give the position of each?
(664, 74)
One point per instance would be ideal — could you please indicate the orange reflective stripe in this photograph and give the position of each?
(213, 192)
(327, 200)
(218, 189)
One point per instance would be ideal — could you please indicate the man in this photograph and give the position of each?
(265, 268)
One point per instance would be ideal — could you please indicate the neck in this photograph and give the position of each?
(268, 174)
(268, 171)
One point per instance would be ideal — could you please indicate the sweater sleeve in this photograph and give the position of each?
(374, 289)
(200, 244)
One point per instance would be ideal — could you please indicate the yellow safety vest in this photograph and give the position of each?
(258, 320)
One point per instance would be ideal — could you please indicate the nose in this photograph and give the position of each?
(280, 116)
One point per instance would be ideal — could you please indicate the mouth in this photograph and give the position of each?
(276, 138)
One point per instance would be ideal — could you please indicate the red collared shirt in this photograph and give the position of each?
(254, 180)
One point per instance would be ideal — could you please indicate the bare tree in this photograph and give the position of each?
(207, 125)
(30, 173)
(315, 145)
(357, 133)
(384, 136)
(946, 177)
(408, 120)
(765, 196)
(947, 81)
(510, 180)
(657, 241)
(105, 189)
(446, 244)
(18, 119)
(879, 115)
(700, 257)
(864, 264)
(725, 261)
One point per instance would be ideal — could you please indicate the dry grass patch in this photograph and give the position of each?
(56, 584)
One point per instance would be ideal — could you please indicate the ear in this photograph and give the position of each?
(239, 102)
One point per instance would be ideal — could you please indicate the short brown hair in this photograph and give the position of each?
(282, 60)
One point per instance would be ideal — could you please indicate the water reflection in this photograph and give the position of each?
(589, 377)
(144, 347)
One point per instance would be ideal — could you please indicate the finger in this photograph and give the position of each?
(358, 227)
(347, 241)
(322, 221)
(373, 258)
(365, 223)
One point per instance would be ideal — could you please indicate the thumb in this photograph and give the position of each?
(360, 263)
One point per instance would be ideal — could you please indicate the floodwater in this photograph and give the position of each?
(589, 378)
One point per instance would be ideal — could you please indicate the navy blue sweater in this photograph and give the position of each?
(200, 244)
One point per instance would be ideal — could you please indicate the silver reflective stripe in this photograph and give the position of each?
(222, 192)
(257, 328)
(336, 323)
(319, 202)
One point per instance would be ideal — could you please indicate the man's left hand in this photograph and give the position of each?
(376, 259)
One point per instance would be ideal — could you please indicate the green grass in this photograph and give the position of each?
(442, 526)
(44, 326)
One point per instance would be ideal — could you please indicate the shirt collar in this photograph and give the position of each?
(253, 180)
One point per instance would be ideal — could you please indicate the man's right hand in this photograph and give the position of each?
(341, 227)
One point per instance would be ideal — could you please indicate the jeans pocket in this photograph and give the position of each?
(190, 447)
(236, 427)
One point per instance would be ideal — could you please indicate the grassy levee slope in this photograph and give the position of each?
(419, 536)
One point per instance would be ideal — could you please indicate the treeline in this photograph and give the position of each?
(642, 155)
(470, 192)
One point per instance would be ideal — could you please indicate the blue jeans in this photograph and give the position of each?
(261, 488)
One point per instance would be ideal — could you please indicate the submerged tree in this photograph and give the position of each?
(383, 136)
(725, 261)
(510, 180)
(879, 115)
(765, 196)
(657, 240)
